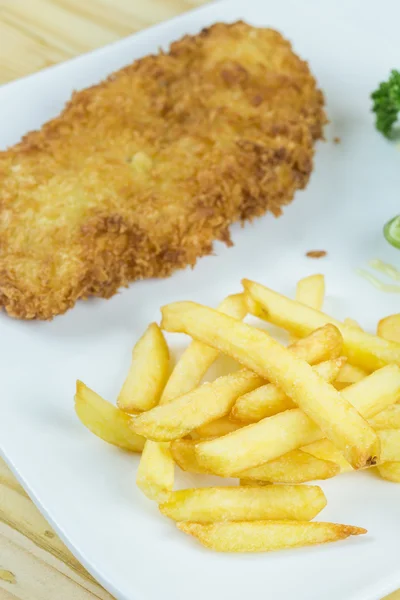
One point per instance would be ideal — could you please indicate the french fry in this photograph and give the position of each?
(325, 450)
(260, 353)
(184, 454)
(387, 419)
(390, 445)
(390, 471)
(376, 392)
(352, 323)
(294, 467)
(257, 443)
(269, 400)
(208, 505)
(155, 474)
(390, 449)
(265, 536)
(200, 406)
(147, 374)
(105, 420)
(349, 374)
(263, 441)
(364, 350)
(198, 357)
(389, 328)
(310, 291)
(217, 428)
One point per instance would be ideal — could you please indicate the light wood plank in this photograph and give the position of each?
(38, 577)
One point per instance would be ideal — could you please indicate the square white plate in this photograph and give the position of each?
(85, 487)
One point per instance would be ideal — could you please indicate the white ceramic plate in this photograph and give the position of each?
(85, 487)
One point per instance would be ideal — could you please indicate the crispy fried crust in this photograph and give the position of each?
(139, 174)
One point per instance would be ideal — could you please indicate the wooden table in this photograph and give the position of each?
(34, 563)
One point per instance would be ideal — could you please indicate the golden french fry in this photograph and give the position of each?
(390, 471)
(390, 449)
(325, 450)
(207, 505)
(390, 445)
(387, 419)
(352, 323)
(263, 441)
(217, 428)
(294, 467)
(269, 400)
(148, 372)
(323, 344)
(364, 350)
(155, 474)
(198, 357)
(202, 405)
(184, 454)
(310, 291)
(389, 328)
(265, 536)
(257, 443)
(376, 392)
(105, 420)
(260, 353)
(349, 374)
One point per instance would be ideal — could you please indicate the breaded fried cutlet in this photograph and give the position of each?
(139, 174)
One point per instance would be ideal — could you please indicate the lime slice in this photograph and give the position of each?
(391, 232)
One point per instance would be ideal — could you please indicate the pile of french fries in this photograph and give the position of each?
(324, 405)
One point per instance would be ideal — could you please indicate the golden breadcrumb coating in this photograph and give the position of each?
(139, 174)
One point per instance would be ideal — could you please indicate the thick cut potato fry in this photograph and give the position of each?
(263, 441)
(387, 419)
(269, 400)
(325, 450)
(204, 404)
(376, 392)
(265, 536)
(257, 443)
(390, 445)
(389, 328)
(390, 471)
(217, 428)
(364, 350)
(390, 449)
(310, 291)
(352, 323)
(207, 505)
(155, 474)
(148, 372)
(184, 454)
(294, 467)
(198, 357)
(105, 420)
(260, 353)
(349, 374)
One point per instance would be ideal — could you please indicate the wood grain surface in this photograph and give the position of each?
(34, 563)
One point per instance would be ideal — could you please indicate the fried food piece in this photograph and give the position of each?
(139, 174)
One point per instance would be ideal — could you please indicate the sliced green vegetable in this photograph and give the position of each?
(391, 232)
